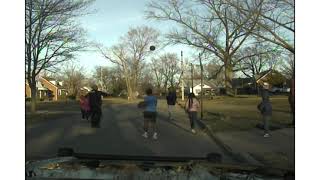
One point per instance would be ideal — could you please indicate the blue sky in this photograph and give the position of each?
(111, 19)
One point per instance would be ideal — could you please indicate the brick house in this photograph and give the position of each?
(49, 89)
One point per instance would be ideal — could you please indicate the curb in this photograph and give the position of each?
(244, 158)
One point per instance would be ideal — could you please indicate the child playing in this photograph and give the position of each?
(171, 101)
(192, 106)
(150, 114)
(265, 108)
(84, 106)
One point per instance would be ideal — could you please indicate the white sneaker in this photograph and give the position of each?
(155, 136)
(193, 131)
(266, 135)
(145, 134)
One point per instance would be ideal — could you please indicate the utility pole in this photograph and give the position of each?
(182, 81)
(201, 96)
(101, 82)
(191, 78)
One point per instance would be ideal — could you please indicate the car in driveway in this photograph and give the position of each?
(278, 90)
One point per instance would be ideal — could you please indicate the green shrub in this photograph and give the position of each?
(72, 97)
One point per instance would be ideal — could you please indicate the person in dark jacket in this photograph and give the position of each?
(265, 108)
(171, 101)
(95, 105)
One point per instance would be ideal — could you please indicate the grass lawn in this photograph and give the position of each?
(240, 113)
(59, 109)
(51, 110)
(114, 100)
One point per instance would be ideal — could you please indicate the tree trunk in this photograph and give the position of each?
(33, 88)
(131, 95)
(128, 88)
(166, 86)
(228, 79)
(172, 83)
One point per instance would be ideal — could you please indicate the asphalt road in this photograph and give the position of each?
(120, 134)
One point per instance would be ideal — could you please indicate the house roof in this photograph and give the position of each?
(266, 73)
(48, 79)
(40, 86)
(86, 88)
(198, 82)
(262, 75)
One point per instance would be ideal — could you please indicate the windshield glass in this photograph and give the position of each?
(168, 78)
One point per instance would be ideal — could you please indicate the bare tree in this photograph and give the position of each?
(102, 75)
(111, 77)
(146, 80)
(130, 52)
(212, 73)
(52, 36)
(167, 70)
(206, 24)
(73, 78)
(263, 58)
(276, 22)
(157, 69)
(288, 66)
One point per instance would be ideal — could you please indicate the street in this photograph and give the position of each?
(120, 134)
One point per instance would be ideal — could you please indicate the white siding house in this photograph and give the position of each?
(197, 88)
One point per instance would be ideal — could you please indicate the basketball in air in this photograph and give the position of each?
(152, 48)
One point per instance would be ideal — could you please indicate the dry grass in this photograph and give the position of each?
(59, 109)
(120, 101)
(240, 113)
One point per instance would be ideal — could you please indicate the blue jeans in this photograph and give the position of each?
(193, 118)
(266, 121)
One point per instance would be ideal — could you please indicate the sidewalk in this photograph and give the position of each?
(252, 147)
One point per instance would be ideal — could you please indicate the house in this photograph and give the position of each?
(263, 76)
(242, 82)
(42, 91)
(273, 77)
(244, 85)
(48, 88)
(208, 88)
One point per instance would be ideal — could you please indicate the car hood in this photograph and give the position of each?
(90, 166)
